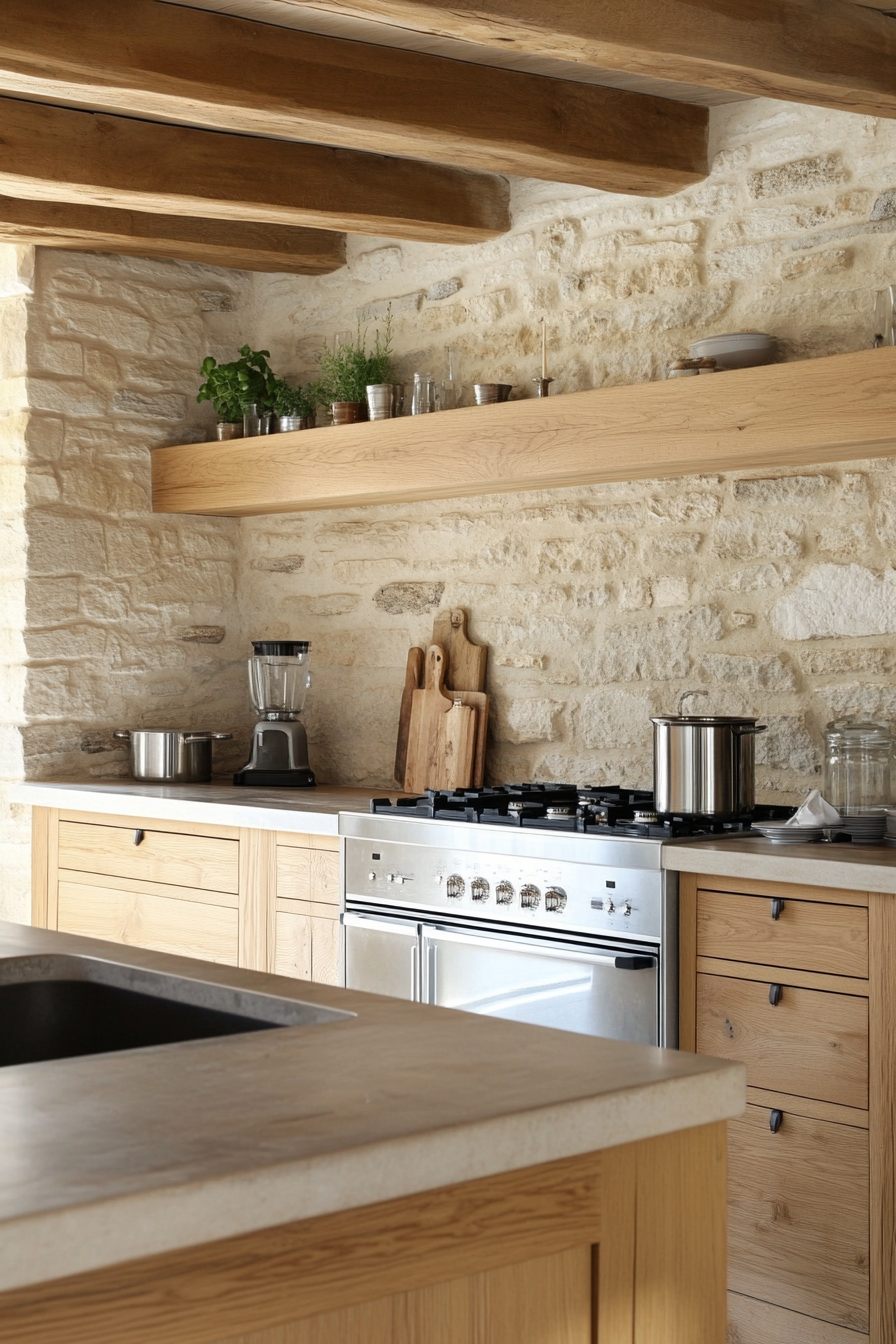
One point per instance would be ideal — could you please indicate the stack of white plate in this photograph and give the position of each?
(737, 350)
(866, 828)
(781, 834)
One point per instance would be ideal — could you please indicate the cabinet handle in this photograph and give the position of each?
(775, 1120)
(139, 837)
(774, 995)
(777, 908)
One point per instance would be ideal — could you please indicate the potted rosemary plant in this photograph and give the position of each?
(231, 387)
(348, 368)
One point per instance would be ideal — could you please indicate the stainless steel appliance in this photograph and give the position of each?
(279, 680)
(170, 755)
(705, 766)
(544, 903)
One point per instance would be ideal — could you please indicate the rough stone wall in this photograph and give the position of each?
(130, 618)
(771, 594)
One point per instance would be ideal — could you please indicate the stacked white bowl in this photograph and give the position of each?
(737, 349)
(779, 833)
(890, 832)
(865, 828)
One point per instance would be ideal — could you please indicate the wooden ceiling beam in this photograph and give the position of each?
(827, 52)
(246, 247)
(57, 154)
(217, 71)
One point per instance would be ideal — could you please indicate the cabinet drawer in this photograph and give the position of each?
(292, 955)
(798, 1216)
(140, 919)
(813, 1044)
(308, 875)
(807, 935)
(753, 1322)
(162, 856)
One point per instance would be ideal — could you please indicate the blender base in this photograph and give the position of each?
(274, 779)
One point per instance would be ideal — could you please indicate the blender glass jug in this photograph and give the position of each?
(279, 677)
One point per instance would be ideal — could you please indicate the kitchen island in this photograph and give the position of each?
(403, 1172)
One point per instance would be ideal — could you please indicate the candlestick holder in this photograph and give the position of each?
(542, 386)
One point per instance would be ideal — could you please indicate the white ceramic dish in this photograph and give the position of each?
(737, 350)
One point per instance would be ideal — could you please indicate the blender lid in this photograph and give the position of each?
(279, 648)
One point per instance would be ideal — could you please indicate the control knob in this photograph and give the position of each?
(371, 877)
(479, 889)
(455, 887)
(504, 893)
(529, 897)
(555, 899)
(609, 906)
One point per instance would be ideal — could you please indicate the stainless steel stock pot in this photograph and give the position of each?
(705, 766)
(170, 755)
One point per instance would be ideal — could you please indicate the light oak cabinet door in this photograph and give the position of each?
(798, 1216)
(804, 935)
(308, 906)
(811, 1043)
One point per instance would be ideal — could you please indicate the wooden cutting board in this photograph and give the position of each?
(445, 746)
(466, 661)
(413, 678)
(479, 701)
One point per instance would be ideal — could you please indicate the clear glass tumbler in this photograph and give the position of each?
(423, 400)
(255, 422)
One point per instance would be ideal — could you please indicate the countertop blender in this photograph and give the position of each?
(279, 679)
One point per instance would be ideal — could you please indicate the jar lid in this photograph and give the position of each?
(858, 728)
(279, 648)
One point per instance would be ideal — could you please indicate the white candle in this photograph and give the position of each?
(544, 348)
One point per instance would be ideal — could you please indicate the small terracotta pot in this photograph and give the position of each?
(346, 412)
(228, 429)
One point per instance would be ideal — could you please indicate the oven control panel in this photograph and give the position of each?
(549, 893)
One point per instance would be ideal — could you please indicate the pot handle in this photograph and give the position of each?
(748, 729)
(124, 735)
(206, 737)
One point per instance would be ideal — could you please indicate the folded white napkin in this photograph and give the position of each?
(815, 812)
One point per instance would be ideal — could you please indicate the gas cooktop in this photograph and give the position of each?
(585, 810)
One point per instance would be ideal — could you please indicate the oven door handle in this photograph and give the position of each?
(620, 961)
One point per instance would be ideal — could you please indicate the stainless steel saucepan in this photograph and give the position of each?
(170, 755)
(705, 766)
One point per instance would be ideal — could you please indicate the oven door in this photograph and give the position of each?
(597, 991)
(382, 955)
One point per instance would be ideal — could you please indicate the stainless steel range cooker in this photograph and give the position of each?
(547, 904)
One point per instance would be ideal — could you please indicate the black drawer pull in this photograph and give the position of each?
(139, 837)
(774, 995)
(777, 908)
(775, 1120)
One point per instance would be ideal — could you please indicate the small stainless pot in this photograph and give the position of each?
(170, 755)
(705, 767)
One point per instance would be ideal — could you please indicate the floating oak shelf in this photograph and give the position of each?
(834, 409)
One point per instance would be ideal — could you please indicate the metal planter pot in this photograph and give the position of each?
(170, 755)
(705, 767)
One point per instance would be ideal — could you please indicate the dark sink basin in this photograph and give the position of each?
(55, 1007)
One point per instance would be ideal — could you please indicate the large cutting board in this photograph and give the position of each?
(446, 733)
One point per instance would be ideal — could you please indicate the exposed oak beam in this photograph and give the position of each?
(212, 70)
(248, 247)
(54, 153)
(829, 52)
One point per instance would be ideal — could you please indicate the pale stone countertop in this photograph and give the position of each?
(106, 1158)
(309, 811)
(847, 867)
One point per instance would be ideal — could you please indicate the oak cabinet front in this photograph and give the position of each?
(265, 900)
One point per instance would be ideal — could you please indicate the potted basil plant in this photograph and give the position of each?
(294, 407)
(347, 369)
(233, 388)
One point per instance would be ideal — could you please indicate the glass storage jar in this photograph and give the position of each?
(857, 766)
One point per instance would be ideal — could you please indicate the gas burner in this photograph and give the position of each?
(607, 810)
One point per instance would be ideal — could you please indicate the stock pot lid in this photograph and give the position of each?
(704, 721)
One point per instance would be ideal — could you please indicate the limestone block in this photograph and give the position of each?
(527, 720)
(200, 634)
(279, 564)
(443, 289)
(158, 407)
(614, 719)
(801, 175)
(377, 264)
(783, 490)
(830, 259)
(789, 744)
(885, 205)
(670, 591)
(61, 545)
(759, 578)
(398, 306)
(752, 536)
(689, 506)
(333, 604)
(844, 542)
(846, 659)
(765, 672)
(837, 600)
(408, 597)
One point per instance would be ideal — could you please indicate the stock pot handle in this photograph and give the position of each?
(749, 729)
(123, 735)
(206, 737)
